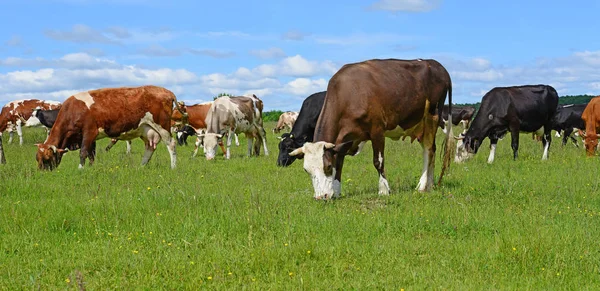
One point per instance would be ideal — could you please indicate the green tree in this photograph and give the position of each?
(221, 95)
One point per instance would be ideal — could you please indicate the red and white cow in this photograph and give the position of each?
(121, 113)
(286, 119)
(373, 100)
(15, 114)
(235, 115)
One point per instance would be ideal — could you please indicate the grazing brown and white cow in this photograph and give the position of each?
(229, 115)
(121, 113)
(591, 117)
(286, 119)
(372, 100)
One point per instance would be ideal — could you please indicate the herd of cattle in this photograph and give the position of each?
(364, 101)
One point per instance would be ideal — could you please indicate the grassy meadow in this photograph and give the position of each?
(247, 224)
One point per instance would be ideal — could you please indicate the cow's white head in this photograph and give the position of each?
(319, 160)
(211, 142)
(461, 151)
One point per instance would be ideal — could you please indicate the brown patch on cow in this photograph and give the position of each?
(196, 115)
(246, 106)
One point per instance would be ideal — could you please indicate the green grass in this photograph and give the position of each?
(247, 224)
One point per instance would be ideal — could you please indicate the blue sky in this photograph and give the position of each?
(284, 51)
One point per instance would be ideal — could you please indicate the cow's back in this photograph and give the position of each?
(368, 94)
(118, 110)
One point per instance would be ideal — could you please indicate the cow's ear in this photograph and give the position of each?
(298, 151)
(343, 147)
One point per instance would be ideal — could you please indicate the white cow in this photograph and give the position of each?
(235, 115)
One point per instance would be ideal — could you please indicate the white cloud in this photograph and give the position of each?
(80, 33)
(294, 35)
(363, 39)
(15, 41)
(270, 53)
(219, 54)
(159, 51)
(72, 61)
(406, 5)
(305, 86)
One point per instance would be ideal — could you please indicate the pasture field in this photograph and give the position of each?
(247, 224)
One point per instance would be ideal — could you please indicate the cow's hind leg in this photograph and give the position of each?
(10, 136)
(128, 142)
(170, 142)
(378, 154)
(263, 136)
(514, 139)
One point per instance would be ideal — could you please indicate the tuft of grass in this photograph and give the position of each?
(247, 224)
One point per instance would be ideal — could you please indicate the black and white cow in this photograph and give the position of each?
(303, 130)
(528, 108)
(567, 121)
(460, 114)
(184, 133)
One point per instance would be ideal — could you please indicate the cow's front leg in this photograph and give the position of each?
(228, 145)
(546, 140)
(263, 136)
(493, 143)
(87, 144)
(378, 162)
(10, 136)
(112, 142)
(92, 154)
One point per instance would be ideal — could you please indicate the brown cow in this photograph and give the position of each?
(286, 119)
(121, 113)
(15, 114)
(372, 100)
(591, 117)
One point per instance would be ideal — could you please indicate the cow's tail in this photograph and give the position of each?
(449, 144)
(179, 107)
